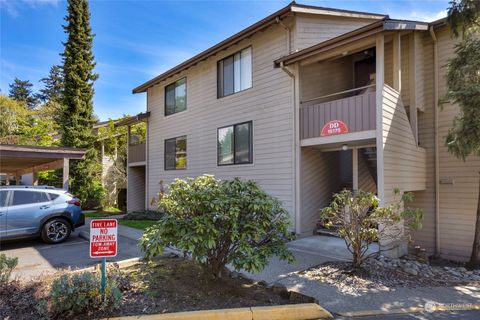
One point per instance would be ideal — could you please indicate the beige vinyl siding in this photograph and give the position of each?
(365, 180)
(404, 162)
(319, 180)
(458, 202)
(405, 60)
(311, 29)
(425, 199)
(136, 188)
(269, 104)
(319, 79)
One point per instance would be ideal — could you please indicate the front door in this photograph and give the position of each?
(26, 210)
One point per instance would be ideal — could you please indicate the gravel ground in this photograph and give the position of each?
(381, 274)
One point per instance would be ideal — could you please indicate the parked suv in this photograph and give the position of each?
(30, 211)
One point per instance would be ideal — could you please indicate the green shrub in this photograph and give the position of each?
(220, 222)
(6, 267)
(75, 293)
(360, 220)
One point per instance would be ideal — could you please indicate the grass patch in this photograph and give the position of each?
(101, 214)
(137, 224)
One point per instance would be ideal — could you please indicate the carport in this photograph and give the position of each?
(18, 160)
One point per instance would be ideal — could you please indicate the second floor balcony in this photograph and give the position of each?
(344, 112)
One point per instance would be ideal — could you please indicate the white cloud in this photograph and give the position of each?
(13, 7)
(425, 15)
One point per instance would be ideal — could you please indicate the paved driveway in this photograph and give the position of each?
(36, 257)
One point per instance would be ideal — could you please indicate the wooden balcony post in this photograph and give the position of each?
(413, 85)
(380, 80)
(355, 169)
(397, 62)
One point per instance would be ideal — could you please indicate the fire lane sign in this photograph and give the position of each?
(103, 238)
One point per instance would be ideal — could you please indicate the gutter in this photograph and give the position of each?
(437, 165)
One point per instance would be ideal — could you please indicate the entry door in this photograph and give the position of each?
(26, 210)
(3, 213)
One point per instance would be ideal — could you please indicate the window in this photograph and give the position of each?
(234, 144)
(53, 196)
(234, 73)
(176, 97)
(176, 153)
(3, 198)
(28, 197)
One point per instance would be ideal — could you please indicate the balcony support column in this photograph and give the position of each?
(413, 85)
(380, 80)
(397, 62)
(355, 169)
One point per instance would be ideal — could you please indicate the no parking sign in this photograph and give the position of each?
(103, 238)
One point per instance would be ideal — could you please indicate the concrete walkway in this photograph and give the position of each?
(315, 250)
(123, 231)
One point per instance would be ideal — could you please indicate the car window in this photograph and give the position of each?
(3, 198)
(27, 197)
(53, 196)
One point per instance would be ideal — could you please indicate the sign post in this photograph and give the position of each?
(103, 243)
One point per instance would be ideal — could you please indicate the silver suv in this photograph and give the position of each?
(31, 211)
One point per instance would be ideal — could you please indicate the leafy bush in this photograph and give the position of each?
(75, 293)
(360, 221)
(6, 267)
(143, 215)
(220, 222)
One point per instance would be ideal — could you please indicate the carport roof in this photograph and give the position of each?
(15, 158)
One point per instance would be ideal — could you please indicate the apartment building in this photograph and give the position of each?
(309, 101)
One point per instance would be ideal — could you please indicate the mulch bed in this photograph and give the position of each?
(168, 284)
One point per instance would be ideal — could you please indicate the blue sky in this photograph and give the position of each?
(137, 40)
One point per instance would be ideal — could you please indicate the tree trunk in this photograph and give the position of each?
(475, 257)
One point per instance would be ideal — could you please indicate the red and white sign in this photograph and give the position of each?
(103, 238)
(334, 127)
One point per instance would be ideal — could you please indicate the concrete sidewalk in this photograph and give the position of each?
(123, 231)
(315, 250)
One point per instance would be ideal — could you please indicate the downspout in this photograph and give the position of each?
(295, 145)
(437, 165)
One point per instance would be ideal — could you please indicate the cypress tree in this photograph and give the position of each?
(77, 118)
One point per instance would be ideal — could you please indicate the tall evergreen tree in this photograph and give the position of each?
(21, 90)
(463, 89)
(77, 118)
(53, 90)
(78, 64)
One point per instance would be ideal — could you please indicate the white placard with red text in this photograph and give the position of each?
(103, 238)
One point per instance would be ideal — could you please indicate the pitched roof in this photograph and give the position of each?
(245, 33)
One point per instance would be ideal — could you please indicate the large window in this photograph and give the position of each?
(235, 73)
(176, 153)
(176, 97)
(235, 144)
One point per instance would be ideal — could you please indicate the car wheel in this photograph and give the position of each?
(56, 230)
